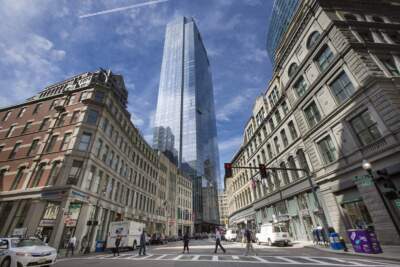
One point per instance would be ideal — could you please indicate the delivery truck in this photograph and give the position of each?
(129, 231)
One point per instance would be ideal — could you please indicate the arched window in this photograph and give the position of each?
(302, 160)
(38, 175)
(18, 178)
(292, 130)
(349, 16)
(312, 39)
(269, 151)
(292, 165)
(285, 174)
(53, 176)
(292, 69)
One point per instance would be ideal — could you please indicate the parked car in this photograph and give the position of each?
(26, 252)
(231, 235)
(273, 234)
(158, 239)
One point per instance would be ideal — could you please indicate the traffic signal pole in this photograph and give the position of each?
(263, 170)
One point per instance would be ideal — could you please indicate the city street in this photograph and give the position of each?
(201, 254)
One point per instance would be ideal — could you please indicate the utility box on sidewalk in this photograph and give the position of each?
(364, 241)
(100, 245)
(334, 240)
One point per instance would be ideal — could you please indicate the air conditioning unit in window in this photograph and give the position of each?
(59, 106)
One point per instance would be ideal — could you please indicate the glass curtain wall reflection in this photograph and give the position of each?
(185, 125)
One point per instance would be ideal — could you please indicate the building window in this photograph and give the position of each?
(269, 151)
(51, 143)
(37, 108)
(10, 131)
(274, 96)
(292, 165)
(271, 124)
(55, 167)
(99, 146)
(6, 116)
(104, 157)
(365, 128)
(285, 140)
(390, 64)
(18, 178)
(292, 69)
(350, 17)
(75, 116)
(324, 58)
(61, 120)
(378, 19)
(312, 39)
(21, 112)
(28, 125)
(327, 149)
(278, 116)
(292, 130)
(394, 36)
(99, 96)
(84, 142)
(277, 146)
(300, 86)
(92, 116)
(52, 104)
(33, 147)
(65, 141)
(45, 124)
(14, 151)
(366, 36)
(312, 114)
(75, 172)
(302, 160)
(342, 87)
(38, 175)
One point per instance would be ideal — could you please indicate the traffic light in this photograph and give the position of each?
(228, 170)
(263, 171)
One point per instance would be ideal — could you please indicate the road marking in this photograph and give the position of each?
(196, 258)
(160, 257)
(286, 259)
(214, 258)
(260, 259)
(235, 257)
(177, 258)
(312, 260)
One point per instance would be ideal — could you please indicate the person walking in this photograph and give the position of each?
(117, 244)
(71, 245)
(248, 235)
(218, 241)
(142, 244)
(186, 242)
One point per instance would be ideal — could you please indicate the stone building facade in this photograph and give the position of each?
(223, 208)
(72, 161)
(333, 101)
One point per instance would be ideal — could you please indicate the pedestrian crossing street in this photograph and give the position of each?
(284, 260)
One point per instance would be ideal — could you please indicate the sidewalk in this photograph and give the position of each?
(389, 252)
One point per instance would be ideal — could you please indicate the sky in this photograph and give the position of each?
(46, 41)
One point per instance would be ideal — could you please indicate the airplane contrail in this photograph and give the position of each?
(122, 8)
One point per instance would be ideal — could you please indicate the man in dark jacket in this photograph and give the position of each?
(142, 243)
(186, 242)
(117, 244)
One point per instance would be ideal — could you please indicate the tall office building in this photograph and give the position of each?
(282, 13)
(185, 125)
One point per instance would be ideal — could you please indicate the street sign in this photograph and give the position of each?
(363, 180)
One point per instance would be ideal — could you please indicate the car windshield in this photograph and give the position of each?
(29, 243)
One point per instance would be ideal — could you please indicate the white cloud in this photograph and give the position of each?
(236, 104)
(230, 144)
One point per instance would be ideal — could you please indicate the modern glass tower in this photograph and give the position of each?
(185, 125)
(281, 16)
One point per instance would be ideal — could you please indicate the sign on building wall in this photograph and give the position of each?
(363, 180)
(71, 217)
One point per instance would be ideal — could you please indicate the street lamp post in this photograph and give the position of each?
(91, 225)
(367, 166)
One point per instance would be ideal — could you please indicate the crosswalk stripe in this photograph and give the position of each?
(235, 257)
(196, 258)
(260, 259)
(313, 260)
(215, 258)
(160, 257)
(286, 259)
(178, 257)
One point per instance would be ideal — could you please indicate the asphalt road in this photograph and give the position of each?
(202, 254)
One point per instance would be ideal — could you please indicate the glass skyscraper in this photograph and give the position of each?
(185, 125)
(281, 16)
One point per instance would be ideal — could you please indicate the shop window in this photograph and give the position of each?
(312, 114)
(324, 58)
(342, 87)
(327, 149)
(365, 128)
(313, 39)
(357, 214)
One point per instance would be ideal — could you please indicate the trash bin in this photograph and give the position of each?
(100, 245)
(364, 241)
(334, 240)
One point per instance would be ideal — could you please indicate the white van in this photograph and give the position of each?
(129, 231)
(231, 235)
(273, 234)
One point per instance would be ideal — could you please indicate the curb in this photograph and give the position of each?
(374, 256)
